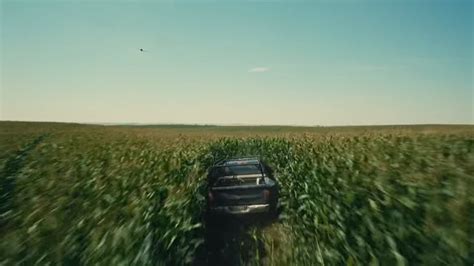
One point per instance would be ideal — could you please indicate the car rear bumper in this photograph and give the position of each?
(242, 209)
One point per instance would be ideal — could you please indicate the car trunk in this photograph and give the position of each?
(240, 195)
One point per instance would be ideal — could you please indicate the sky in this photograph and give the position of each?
(238, 62)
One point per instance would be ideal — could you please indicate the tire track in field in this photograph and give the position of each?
(8, 176)
(233, 241)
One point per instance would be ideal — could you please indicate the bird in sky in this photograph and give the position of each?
(143, 50)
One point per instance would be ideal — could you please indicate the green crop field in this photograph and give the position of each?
(128, 195)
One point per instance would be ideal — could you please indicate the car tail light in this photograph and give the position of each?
(210, 197)
(266, 194)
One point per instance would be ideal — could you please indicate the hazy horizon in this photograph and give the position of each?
(238, 63)
(229, 124)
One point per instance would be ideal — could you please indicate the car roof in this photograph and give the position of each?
(238, 161)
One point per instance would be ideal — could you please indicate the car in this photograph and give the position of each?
(241, 186)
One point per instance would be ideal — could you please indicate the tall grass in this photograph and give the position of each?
(132, 197)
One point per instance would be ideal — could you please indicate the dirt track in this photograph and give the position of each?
(234, 241)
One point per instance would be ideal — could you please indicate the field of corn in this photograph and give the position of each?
(84, 195)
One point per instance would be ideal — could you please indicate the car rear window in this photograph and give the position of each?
(245, 169)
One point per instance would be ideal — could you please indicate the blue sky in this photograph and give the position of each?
(245, 62)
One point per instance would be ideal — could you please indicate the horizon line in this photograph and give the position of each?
(232, 124)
